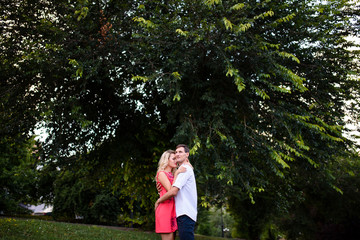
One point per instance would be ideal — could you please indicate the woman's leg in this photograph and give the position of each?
(167, 236)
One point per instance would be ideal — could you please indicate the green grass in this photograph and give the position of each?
(34, 229)
(29, 229)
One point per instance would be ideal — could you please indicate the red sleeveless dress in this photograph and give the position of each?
(165, 213)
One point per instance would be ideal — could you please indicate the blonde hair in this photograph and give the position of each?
(164, 161)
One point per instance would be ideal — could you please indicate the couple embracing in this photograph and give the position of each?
(176, 209)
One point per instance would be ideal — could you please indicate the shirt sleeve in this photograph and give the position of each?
(182, 178)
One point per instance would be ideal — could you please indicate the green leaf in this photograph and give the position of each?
(177, 97)
(212, 2)
(181, 32)
(196, 146)
(139, 78)
(227, 23)
(288, 55)
(276, 156)
(242, 28)
(222, 136)
(238, 6)
(176, 75)
(144, 23)
(269, 13)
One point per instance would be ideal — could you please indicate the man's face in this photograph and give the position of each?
(181, 155)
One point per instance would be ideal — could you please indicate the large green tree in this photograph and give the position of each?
(258, 89)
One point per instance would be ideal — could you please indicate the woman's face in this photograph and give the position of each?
(172, 162)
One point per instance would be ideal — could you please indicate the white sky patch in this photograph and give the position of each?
(41, 133)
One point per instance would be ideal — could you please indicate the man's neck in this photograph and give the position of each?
(184, 162)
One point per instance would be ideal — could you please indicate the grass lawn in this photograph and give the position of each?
(34, 229)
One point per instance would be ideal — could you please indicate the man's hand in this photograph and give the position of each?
(158, 187)
(156, 205)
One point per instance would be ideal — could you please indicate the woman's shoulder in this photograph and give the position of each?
(167, 174)
(164, 173)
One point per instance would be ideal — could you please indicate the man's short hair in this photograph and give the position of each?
(186, 148)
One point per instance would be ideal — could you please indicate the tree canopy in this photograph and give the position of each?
(258, 89)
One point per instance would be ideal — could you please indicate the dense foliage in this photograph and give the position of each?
(258, 89)
(18, 174)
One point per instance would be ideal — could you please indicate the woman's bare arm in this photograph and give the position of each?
(181, 169)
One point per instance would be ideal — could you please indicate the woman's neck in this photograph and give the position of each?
(167, 169)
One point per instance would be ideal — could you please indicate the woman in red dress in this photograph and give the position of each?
(165, 214)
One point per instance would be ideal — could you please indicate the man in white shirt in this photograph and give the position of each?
(185, 193)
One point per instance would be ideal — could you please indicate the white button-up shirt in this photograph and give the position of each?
(186, 198)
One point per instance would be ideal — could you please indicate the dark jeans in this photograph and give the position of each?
(186, 227)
